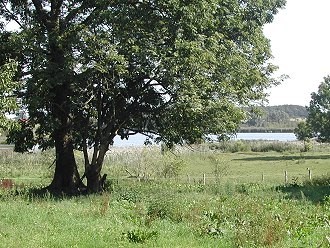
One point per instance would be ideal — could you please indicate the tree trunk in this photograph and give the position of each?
(96, 182)
(57, 77)
(66, 177)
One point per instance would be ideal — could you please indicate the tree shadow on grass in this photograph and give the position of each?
(44, 193)
(37, 193)
(8, 187)
(285, 158)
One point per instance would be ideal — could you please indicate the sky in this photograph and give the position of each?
(300, 41)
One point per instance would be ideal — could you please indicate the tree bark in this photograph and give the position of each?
(66, 177)
(96, 182)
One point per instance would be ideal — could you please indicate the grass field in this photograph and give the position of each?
(160, 200)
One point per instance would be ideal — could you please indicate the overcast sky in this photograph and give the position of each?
(300, 39)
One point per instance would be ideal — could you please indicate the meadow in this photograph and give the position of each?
(236, 194)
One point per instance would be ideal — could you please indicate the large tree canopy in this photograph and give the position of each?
(176, 69)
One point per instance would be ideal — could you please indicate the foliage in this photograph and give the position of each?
(303, 131)
(263, 217)
(178, 69)
(171, 166)
(146, 163)
(275, 117)
(139, 236)
(8, 102)
(255, 146)
(318, 124)
(172, 213)
(22, 135)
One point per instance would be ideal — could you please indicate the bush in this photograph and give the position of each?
(165, 207)
(231, 146)
(171, 166)
(139, 236)
(318, 181)
(275, 146)
(256, 146)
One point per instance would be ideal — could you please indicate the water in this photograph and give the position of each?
(267, 136)
(138, 139)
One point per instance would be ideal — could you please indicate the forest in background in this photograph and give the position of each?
(281, 118)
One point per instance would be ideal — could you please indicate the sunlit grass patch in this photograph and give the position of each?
(234, 208)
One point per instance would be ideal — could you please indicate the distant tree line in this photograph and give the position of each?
(281, 117)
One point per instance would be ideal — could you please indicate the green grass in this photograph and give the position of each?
(234, 209)
(240, 167)
(249, 167)
(165, 215)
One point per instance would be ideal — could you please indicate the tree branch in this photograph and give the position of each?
(85, 152)
(41, 13)
(56, 7)
(85, 5)
(11, 14)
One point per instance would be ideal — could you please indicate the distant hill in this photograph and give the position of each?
(281, 118)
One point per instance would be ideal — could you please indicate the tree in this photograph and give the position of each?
(47, 72)
(175, 71)
(303, 133)
(318, 120)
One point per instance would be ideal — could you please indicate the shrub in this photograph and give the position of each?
(171, 166)
(256, 146)
(165, 207)
(139, 236)
(319, 181)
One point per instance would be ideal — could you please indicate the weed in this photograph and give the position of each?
(212, 224)
(104, 204)
(237, 211)
(139, 235)
(160, 208)
(295, 182)
(6, 184)
(220, 166)
(171, 166)
(319, 181)
(256, 146)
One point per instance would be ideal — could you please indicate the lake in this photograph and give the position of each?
(267, 136)
(138, 139)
